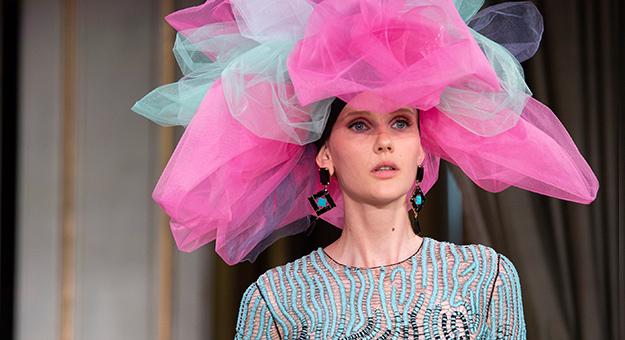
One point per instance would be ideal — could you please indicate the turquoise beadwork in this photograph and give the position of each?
(444, 291)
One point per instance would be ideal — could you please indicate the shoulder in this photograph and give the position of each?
(272, 298)
(291, 269)
(461, 254)
(284, 281)
(473, 262)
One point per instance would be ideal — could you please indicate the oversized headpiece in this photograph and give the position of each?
(259, 79)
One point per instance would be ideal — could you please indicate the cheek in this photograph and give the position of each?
(346, 163)
(348, 158)
(412, 153)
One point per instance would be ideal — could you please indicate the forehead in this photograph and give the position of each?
(374, 102)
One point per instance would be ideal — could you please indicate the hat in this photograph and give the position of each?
(260, 77)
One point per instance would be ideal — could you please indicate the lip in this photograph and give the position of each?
(385, 173)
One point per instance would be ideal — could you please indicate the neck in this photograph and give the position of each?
(374, 236)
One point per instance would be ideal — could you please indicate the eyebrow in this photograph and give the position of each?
(405, 109)
(357, 113)
(369, 113)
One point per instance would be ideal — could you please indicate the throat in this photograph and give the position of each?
(364, 245)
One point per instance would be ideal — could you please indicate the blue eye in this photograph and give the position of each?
(358, 126)
(401, 124)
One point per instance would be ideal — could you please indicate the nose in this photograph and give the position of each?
(383, 143)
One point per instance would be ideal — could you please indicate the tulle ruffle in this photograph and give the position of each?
(248, 49)
(225, 183)
(537, 154)
(259, 77)
(403, 52)
(418, 53)
(517, 26)
(239, 45)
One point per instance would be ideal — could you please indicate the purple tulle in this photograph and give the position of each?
(517, 26)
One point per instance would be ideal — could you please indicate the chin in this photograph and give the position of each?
(386, 196)
(377, 193)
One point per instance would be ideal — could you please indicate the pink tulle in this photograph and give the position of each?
(537, 154)
(224, 183)
(211, 12)
(241, 178)
(398, 51)
(200, 23)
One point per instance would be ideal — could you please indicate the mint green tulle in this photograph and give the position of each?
(486, 113)
(506, 66)
(256, 84)
(468, 8)
(260, 95)
(173, 104)
(202, 56)
(250, 57)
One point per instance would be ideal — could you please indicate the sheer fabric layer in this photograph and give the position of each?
(537, 154)
(241, 173)
(240, 193)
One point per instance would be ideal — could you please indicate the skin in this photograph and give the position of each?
(377, 228)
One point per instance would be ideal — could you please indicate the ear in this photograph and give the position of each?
(421, 156)
(324, 158)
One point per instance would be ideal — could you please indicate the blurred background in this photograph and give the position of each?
(86, 254)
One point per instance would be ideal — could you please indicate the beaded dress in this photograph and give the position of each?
(444, 291)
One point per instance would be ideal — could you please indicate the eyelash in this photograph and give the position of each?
(354, 123)
(403, 120)
(407, 122)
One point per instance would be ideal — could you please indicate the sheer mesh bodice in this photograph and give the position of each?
(444, 291)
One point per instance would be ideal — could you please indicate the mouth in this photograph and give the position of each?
(385, 166)
(385, 170)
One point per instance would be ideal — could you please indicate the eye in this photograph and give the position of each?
(401, 123)
(358, 126)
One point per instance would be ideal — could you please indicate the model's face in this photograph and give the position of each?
(374, 156)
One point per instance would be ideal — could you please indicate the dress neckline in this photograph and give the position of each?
(375, 267)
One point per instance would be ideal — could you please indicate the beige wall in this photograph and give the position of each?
(115, 282)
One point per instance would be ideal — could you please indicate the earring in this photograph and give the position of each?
(417, 199)
(322, 202)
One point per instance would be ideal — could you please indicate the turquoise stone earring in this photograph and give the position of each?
(417, 199)
(322, 202)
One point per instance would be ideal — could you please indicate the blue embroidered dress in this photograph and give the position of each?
(444, 291)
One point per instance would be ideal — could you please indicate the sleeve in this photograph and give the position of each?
(506, 318)
(255, 319)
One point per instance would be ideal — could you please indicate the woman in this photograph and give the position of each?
(383, 89)
(380, 279)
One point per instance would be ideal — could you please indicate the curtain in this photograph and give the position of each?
(567, 254)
